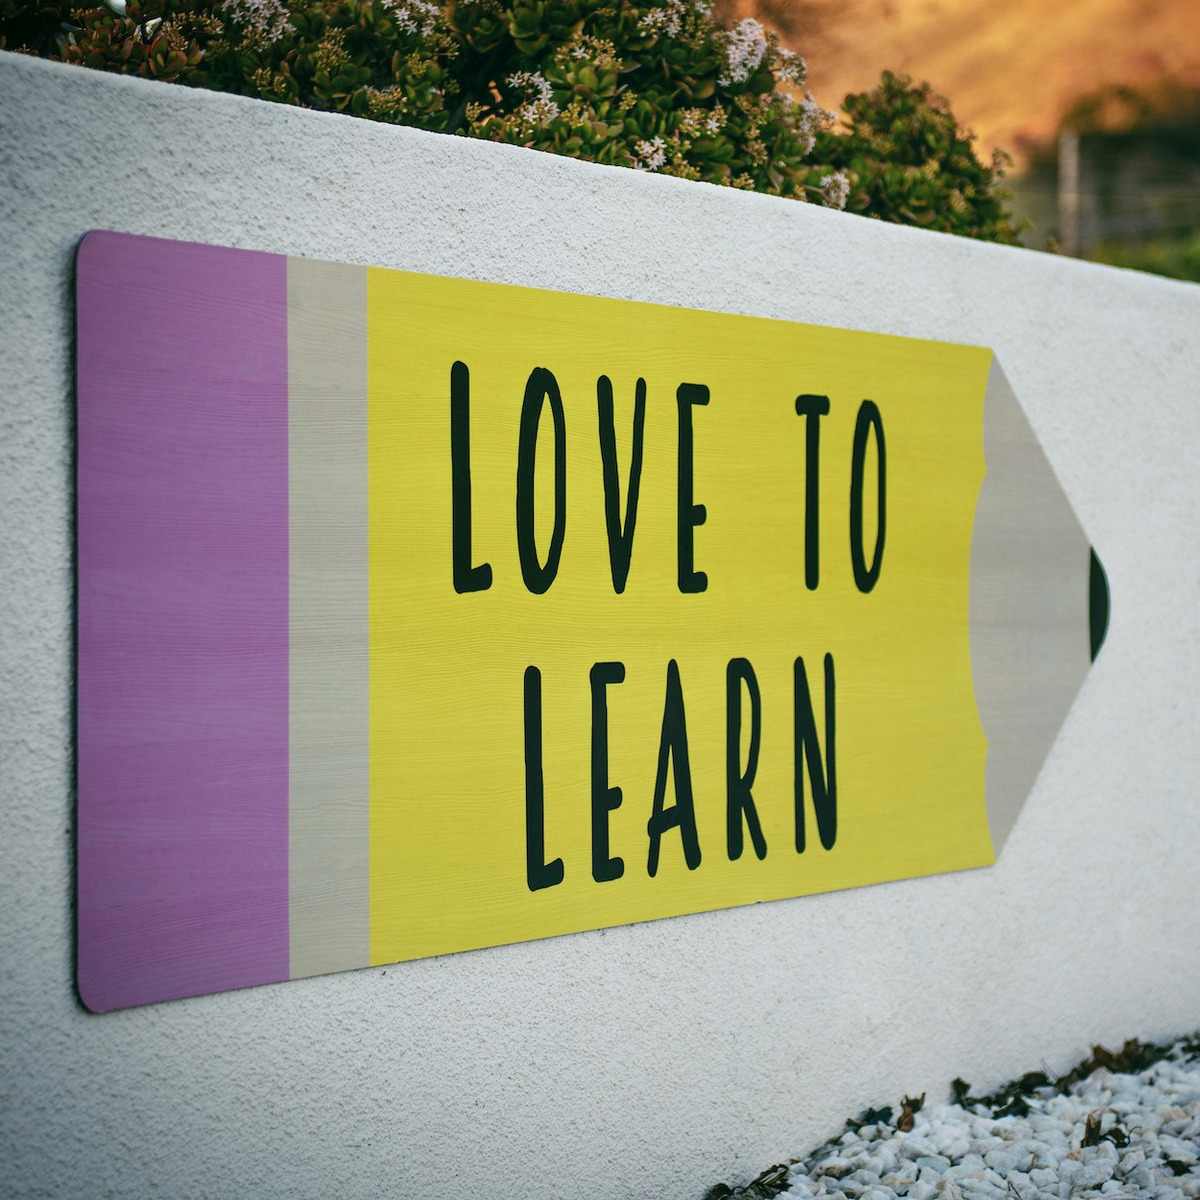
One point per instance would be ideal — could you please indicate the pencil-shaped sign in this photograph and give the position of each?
(422, 614)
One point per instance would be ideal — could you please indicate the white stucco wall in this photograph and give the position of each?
(640, 1062)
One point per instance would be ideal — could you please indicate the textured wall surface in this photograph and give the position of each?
(639, 1062)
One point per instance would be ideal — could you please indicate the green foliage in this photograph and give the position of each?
(1175, 257)
(33, 28)
(140, 42)
(909, 162)
(387, 61)
(659, 86)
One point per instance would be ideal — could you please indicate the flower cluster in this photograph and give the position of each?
(539, 108)
(416, 16)
(790, 68)
(649, 156)
(695, 122)
(835, 189)
(666, 21)
(812, 120)
(597, 52)
(745, 45)
(268, 18)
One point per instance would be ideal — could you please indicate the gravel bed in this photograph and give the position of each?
(1121, 1125)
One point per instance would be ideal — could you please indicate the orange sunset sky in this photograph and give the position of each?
(1011, 69)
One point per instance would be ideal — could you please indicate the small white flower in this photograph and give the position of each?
(540, 108)
(415, 16)
(820, 118)
(812, 119)
(835, 189)
(745, 45)
(531, 81)
(791, 68)
(268, 17)
(668, 19)
(597, 51)
(650, 155)
(538, 112)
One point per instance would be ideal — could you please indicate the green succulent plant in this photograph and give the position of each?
(659, 86)
(908, 161)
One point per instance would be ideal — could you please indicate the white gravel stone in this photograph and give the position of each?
(1149, 1146)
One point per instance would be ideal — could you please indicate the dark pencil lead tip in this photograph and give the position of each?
(1097, 604)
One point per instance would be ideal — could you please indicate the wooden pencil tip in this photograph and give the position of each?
(1097, 604)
